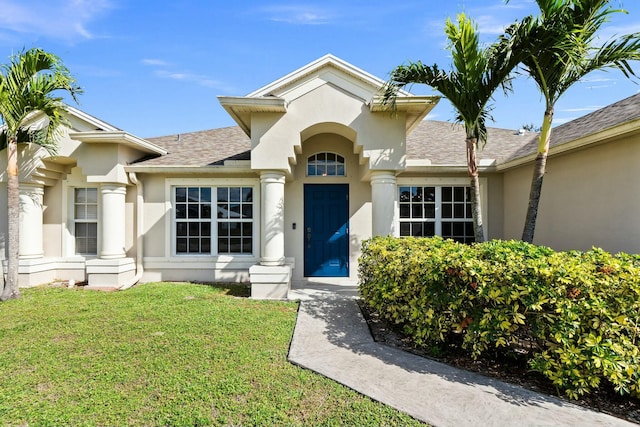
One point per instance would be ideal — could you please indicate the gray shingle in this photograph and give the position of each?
(605, 118)
(204, 148)
(444, 143)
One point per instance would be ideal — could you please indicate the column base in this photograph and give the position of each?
(270, 282)
(110, 272)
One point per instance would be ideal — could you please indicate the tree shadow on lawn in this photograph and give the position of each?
(238, 290)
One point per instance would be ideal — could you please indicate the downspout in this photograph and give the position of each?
(139, 235)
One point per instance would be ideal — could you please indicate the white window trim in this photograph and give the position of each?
(68, 225)
(441, 182)
(170, 225)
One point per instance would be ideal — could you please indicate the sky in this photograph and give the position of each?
(155, 68)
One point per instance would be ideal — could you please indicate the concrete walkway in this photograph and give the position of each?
(332, 338)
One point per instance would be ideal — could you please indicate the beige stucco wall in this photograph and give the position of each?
(154, 214)
(494, 201)
(159, 261)
(3, 220)
(52, 220)
(359, 200)
(588, 199)
(381, 136)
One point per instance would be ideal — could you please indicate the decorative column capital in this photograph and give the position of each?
(383, 177)
(272, 177)
(113, 188)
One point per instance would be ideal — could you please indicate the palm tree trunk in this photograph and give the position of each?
(476, 203)
(538, 175)
(11, 290)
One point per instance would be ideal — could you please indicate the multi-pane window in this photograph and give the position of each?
(434, 210)
(85, 217)
(325, 164)
(235, 220)
(193, 220)
(232, 224)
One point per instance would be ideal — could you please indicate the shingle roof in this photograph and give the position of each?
(204, 148)
(440, 142)
(443, 143)
(605, 118)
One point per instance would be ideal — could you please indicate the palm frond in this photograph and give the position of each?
(476, 73)
(28, 84)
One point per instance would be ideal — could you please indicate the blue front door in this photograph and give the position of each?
(326, 230)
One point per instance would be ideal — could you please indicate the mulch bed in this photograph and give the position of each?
(511, 370)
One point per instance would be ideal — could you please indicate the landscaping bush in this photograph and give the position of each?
(573, 315)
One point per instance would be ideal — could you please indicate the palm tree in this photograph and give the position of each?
(27, 84)
(561, 51)
(477, 73)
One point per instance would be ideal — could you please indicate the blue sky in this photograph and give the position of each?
(155, 68)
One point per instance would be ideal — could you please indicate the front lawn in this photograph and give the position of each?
(163, 354)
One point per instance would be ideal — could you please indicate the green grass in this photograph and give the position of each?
(163, 354)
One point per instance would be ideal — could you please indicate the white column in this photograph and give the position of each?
(30, 227)
(272, 218)
(112, 221)
(383, 196)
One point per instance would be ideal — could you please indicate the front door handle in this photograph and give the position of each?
(308, 237)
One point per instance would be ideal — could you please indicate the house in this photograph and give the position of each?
(315, 166)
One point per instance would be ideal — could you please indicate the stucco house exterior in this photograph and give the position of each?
(314, 166)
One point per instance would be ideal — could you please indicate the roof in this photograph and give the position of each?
(276, 97)
(442, 143)
(615, 114)
(611, 116)
(204, 148)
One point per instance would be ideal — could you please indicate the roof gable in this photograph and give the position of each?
(328, 70)
(325, 69)
(83, 122)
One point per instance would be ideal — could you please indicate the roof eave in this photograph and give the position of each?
(577, 144)
(230, 167)
(438, 169)
(240, 108)
(118, 137)
(99, 124)
(415, 108)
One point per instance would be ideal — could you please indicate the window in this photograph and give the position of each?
(85, 217)
(193, 220)
(195, 225)
(325, 164)
(436, 210)
(235, 220)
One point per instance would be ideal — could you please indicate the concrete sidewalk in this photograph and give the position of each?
(332, 338)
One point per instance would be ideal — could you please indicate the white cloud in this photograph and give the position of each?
(59, 19)
(581, 109)
(154, 62)
(488, 24)
(597, 80)
(562, 120)
(297, 14)
(189, 77)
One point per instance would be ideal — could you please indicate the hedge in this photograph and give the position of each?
(574, 315)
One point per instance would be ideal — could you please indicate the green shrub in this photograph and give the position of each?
(574, 315)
